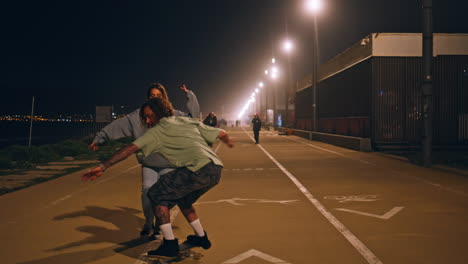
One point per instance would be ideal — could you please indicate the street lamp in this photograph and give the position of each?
(313, 7)
(287, 47)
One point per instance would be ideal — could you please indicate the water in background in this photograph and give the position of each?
(44, 132)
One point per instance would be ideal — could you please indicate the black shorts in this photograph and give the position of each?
(183, 186)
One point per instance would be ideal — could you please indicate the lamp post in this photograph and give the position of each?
(273, 73)
(287, 47)
(260, 84)
(314, 6)
(427, 110)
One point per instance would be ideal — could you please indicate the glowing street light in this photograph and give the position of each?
(287, 46)
(260, 84)
(266, 72)
(274, 72)
(313, 6)
(273, 60)
(256, 90)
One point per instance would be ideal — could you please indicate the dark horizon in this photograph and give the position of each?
(74, 56)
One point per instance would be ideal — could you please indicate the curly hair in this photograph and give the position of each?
(160, 107)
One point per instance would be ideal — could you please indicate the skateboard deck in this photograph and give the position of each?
(184, 252)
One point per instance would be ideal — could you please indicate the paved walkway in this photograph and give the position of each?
(286, 200)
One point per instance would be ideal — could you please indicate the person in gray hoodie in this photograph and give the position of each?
(155, 165)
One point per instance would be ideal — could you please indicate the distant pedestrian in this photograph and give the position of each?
(257, 125)
(211, 120)
(199, 169)
(237, 123)
(152, 166)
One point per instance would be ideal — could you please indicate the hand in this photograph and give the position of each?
(230, 142)
(183, 87)
(93, 174)
(93, 147)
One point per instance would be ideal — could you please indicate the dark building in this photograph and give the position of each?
(373, 90)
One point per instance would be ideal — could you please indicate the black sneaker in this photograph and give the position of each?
(197, 241)
(146, 231)
(156, 231)
(168, 249)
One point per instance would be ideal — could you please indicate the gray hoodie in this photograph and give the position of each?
(131, 126)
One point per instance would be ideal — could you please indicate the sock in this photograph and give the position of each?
(166, 230)
(197, 227)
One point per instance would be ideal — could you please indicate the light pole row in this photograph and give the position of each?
(312, 7)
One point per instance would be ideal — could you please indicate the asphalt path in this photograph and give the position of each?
(285, 200)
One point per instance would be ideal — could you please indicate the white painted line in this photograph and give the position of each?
(234, 201)
(87, 187)
(220, 143)
(353, 198)
(327, 150)
(385, 216)
(391, 170)
(334, 152)
(254, 253)
(355, 242)
(217, 147)
(66, 197)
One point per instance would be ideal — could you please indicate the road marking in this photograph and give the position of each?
(355, 242)
(250, 169)
(220, 143)
(235, 201)
(254, 253)
(66, 197)
(334, 152)
(385, 216)
(437, 185)
(217, 147)
(87, 187)
(353, 198)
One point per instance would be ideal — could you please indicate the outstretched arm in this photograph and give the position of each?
(120, 155)
(119, 128)
(192, 102)
(225, 138)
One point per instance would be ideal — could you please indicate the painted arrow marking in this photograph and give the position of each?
(385, 216)
(254, 253)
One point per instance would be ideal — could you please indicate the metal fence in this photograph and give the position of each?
(380, 98)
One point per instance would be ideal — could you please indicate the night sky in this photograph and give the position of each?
(74, 55)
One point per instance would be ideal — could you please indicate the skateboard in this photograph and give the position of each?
(184, 252)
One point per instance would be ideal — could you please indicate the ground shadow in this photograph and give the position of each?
(125, 236)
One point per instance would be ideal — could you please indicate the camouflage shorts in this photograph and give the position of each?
(183, 186)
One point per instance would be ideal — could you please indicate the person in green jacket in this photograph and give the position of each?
(185, 143)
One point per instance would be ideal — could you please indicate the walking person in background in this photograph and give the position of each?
(183, 141)
(257, 125)
(153, 165)
(211, 120)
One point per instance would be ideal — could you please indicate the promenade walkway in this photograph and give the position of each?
(286, 200)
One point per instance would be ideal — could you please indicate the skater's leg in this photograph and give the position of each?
(149, 177)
